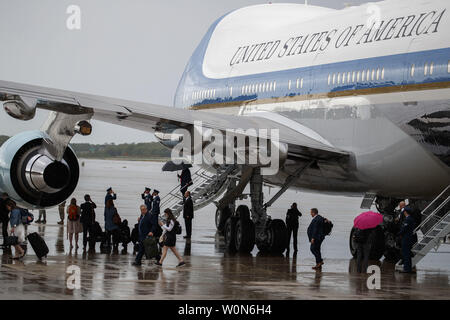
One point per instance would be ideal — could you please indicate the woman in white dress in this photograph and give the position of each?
(170, 237)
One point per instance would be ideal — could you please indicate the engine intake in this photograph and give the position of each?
(31, 176)
(47, 175)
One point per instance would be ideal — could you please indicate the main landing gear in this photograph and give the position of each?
(243, 228)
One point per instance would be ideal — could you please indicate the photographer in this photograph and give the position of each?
(88, 219)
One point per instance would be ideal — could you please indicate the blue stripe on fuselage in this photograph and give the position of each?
(397, 71)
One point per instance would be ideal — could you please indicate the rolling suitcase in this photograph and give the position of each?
(151, 247)
(38, 244)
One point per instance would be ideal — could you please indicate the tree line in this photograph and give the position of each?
(142, 151)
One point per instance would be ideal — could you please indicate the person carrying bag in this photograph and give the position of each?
(16, 229)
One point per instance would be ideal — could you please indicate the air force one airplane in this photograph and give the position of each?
(360, 96)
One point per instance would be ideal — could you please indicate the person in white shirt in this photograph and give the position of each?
(169, 237)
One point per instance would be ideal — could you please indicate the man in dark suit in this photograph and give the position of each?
(407, 235)
(316, 236)
(185, 180)
(88, 220)
(292, 216)
(188, 214)
(110, 194)
(156, 201)
(146, 228)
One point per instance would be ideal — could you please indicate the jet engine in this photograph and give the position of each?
(31, 176)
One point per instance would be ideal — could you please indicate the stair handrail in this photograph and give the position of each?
(178, 186)
(200, 176)
(433, 214)
(436, 198)
(418, 243)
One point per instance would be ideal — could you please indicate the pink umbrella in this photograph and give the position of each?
(368, 220)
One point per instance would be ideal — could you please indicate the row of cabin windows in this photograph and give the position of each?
(258, 87)
(298, 84)
(204, 94)
(355, 76)
(428, 69)
(335, 78)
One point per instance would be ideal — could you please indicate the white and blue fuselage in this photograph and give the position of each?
(373, 80)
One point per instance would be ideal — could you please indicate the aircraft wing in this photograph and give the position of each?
(147, 117)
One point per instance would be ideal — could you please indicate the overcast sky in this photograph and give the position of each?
(130, 49)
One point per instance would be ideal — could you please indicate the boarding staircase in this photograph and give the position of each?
(206, 187)
(434, 227)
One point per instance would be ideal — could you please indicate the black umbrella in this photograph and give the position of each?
(171, 166)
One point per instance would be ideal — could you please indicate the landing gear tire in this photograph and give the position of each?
(245, 235)
(230, 234)
(245, 230)
(352, 243)
(221, 218)
(378, 247)
(243, 212)
(276, 238)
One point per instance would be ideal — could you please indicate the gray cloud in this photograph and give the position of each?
(130, 49)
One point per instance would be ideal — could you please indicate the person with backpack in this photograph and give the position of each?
(112, 223)
(16, 229)
(74, 225)
(292, 216)
(316, 236)
(364, 240)
(88, 219)
(170, 230)
(146, 228)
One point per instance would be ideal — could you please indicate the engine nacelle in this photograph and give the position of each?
(29, 174)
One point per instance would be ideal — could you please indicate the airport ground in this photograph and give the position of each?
(210, 272)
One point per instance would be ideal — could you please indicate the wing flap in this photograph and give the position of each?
(146, 116)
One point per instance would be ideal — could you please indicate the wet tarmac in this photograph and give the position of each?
(210, 273)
